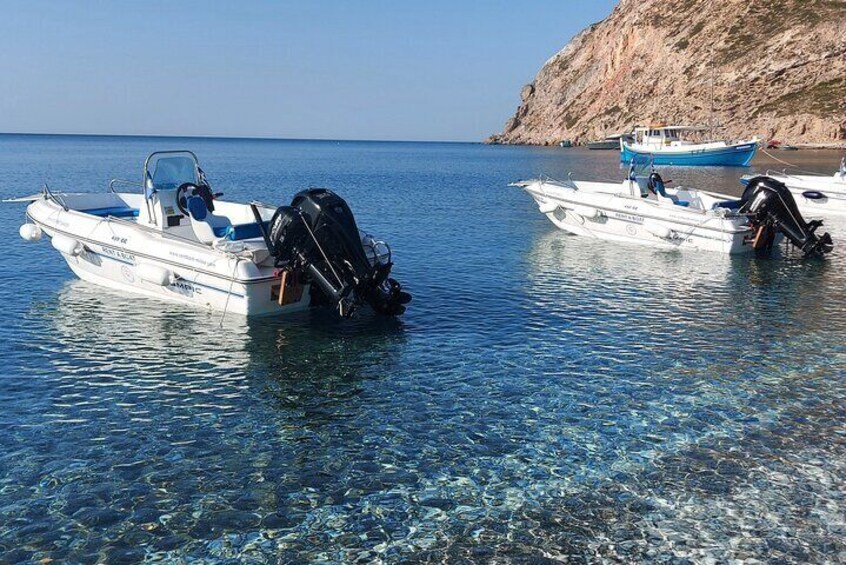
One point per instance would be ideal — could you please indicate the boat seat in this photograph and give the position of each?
(656, 183)
(205, 224)
(113, 211)
(729, 204)
(237, 232)
(209, 227)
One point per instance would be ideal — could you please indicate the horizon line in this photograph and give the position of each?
(234, 137)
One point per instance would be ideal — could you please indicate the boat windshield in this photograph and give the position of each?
(640, 166)
(167, 170)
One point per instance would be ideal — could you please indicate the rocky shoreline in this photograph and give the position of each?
(747, 65)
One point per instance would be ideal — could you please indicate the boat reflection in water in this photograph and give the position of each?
(197, 351)
(685, 301)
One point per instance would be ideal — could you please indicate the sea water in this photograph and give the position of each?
(544, 397)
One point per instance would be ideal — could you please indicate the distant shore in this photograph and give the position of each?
(833, 146)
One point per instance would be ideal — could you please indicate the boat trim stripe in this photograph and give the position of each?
(151, 257)
(187, 281)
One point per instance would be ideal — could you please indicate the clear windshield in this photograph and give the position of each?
(640, 166)
(170, 172)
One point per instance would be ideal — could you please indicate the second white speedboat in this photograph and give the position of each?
(815, 194)
(642, 210)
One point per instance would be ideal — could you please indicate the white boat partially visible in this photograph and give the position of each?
(642, 210)
(173, 239)
(621, 212)
(815, 195)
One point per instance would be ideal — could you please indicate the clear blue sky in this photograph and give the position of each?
(425, 70)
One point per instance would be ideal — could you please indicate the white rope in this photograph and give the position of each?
(325, 258)
(229, 294)
(771, 156)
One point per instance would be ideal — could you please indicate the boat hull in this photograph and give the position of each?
(122, 256)
(729, 156)
(614, 218)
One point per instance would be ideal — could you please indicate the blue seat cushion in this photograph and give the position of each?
(114, 211)
(730, 204)
(197, 208)
(241, 231)
(683, 203)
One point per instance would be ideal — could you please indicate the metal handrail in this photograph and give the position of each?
(55, 198)
(114, 182)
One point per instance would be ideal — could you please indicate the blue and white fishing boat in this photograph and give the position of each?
(667, 147)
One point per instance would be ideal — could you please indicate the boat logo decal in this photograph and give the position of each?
(183, 287)
(127, 273)
(117, 254)
(628, 217)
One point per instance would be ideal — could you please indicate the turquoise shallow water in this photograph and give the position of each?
(544, 396)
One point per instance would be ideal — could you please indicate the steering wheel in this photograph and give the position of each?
(190, 189)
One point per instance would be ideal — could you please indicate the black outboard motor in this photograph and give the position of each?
(771, 208)
(317, 239)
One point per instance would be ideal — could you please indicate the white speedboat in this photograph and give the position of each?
(815, 194)
(174, 239)
(642, 210)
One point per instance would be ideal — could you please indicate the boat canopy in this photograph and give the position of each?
(671, 128)
(662, 134)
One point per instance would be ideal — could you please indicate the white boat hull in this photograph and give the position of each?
(619, 218)
(118, 255)
(833, 202)
(815, 195)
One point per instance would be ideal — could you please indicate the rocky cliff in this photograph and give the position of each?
(772, 68)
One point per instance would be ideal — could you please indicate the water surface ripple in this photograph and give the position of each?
(545, 397)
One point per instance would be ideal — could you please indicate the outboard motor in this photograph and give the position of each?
(771, 208)
(317, 239)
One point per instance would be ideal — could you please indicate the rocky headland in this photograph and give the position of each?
(771, 68)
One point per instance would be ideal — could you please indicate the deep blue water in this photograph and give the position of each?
(544, 396)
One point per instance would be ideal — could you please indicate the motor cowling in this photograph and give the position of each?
(289, 235)
(317, 237)
(771, 208)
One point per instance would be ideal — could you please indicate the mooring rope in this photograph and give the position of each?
(229, 294)
(771, 156)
